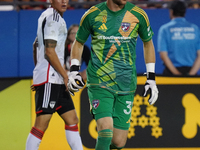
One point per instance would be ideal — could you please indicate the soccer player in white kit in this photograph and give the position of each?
(50, 78)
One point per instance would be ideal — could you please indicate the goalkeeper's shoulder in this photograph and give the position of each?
(92, 12)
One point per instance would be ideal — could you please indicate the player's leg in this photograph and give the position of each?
(101, 101)
(71, 130)
(37, 132)
(68, 114)
(119, 138)
(105, 133)
(44, 96)
(121, 118)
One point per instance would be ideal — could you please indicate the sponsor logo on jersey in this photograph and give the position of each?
(52, 104)
(128, 121)
(95, 103)
(103, 27)
(113, 38)
(125, 26)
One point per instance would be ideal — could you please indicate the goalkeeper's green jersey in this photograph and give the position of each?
(113, 46)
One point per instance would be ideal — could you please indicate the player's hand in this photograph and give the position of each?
(33, 88)
(75, 82)
(150, 87)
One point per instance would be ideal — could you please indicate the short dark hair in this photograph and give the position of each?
(179, 8)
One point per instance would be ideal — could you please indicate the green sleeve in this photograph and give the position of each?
(145, 30)
(85, 28)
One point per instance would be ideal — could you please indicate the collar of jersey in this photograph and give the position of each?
(115, 12)
(179, 19)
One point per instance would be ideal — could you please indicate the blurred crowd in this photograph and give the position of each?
(85, 4)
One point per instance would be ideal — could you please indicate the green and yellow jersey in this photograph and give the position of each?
(114, 36)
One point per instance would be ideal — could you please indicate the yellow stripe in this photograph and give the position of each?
(104, 26)
(106, 134)
(143, 13)
(87, 13)
(170, 80)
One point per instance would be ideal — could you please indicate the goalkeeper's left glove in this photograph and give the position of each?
(75, 81)
(150, 86)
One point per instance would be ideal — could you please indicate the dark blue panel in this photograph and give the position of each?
(27, 33)
(157, 17)
(9, 44)
(28, 29)
(74, 17)
(17, 36)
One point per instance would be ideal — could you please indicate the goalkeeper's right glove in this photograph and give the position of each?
(150, 86)
(75, 81)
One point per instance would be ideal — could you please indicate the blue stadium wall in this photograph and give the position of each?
(18, 31)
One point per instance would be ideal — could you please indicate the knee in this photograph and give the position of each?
(41, 127)
(42, 122)
(104, 127)
(72, 120)
(105, 123)
(75, 120)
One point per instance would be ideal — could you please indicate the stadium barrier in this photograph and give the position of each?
(18, 31)
(172, 123)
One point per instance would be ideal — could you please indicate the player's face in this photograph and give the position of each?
(59, 5)
(119, 2)
(72, 34)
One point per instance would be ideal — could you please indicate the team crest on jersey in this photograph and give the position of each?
(95, 103)
(125, 26)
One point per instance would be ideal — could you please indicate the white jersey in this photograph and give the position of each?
(50, 26)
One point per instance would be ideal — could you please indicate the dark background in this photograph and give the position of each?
(172, 118)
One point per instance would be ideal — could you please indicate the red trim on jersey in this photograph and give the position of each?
(37, 133)
(39, 84)
(58, 107)
(48, 73)
(71, 128)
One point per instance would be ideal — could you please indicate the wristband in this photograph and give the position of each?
(150, 67)
(150, 76)
(75, 62)
(74, 68)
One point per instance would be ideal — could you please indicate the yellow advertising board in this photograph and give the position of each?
(172, 123)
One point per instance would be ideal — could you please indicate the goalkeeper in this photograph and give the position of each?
(111, 73)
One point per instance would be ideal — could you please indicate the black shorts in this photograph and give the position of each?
(50, 98)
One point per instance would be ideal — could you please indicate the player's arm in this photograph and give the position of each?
(150, 85)
(75, 82)
(168, 63)
(85, 57)
(196, 65)
(35, 45)
(149, 52)
(51, 56)
(77, 50)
